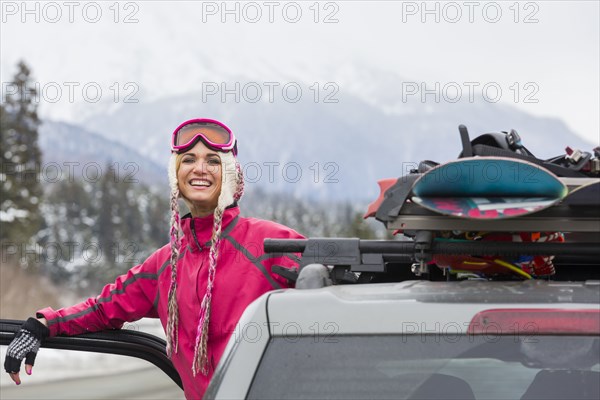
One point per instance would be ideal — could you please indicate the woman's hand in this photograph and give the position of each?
(25, 345)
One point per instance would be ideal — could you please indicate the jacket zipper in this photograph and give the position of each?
(194, 235)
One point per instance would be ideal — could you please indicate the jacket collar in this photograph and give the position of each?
(197, 232)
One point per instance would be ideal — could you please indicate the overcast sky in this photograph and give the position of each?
(542, 55)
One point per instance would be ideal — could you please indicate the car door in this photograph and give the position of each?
(109, 383)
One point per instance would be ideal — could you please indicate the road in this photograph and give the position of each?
(147, 383)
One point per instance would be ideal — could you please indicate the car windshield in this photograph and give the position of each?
(429, 367)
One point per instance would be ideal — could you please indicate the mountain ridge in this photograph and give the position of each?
(324, 142)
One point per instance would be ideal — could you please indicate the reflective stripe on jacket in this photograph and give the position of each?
(243, 274)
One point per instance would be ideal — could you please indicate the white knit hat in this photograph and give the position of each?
(232, 188)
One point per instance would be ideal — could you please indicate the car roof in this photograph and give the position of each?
(415, 306)
(467, 291)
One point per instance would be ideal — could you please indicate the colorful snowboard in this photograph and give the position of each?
(488, 188)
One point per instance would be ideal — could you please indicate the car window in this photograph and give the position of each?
(429, 367)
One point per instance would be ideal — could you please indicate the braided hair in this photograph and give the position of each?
(232, 189)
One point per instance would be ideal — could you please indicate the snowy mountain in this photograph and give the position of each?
(334, 150)
(71, 152)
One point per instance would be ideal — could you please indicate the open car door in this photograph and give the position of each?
(120, 342)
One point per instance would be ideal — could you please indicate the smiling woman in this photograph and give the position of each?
(198, 307)
(199, 173)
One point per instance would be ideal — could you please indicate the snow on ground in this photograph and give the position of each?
(54, 364)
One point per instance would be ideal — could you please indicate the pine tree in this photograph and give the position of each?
(21, 161)
(156, 219)
(63, 242)
(5, 163)
(108, 219)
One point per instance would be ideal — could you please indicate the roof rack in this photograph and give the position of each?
(442, 208)
(352, 255)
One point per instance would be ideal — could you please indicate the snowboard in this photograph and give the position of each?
(488, 188)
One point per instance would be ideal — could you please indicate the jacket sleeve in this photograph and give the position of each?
(129, 298)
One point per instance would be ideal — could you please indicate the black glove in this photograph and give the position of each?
(25, 345)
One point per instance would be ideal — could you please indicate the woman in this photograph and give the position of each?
(200, 283)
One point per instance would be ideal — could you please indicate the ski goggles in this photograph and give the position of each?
(213, 134)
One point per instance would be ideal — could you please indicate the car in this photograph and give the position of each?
(417, 340)
(450, 311)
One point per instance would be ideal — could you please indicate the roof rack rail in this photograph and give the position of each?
(373, 256)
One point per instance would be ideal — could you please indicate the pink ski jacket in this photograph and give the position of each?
(243, 274)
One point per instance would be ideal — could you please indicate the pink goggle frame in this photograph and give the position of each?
(217, 136)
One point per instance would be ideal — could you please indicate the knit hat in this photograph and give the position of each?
(232, 187)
